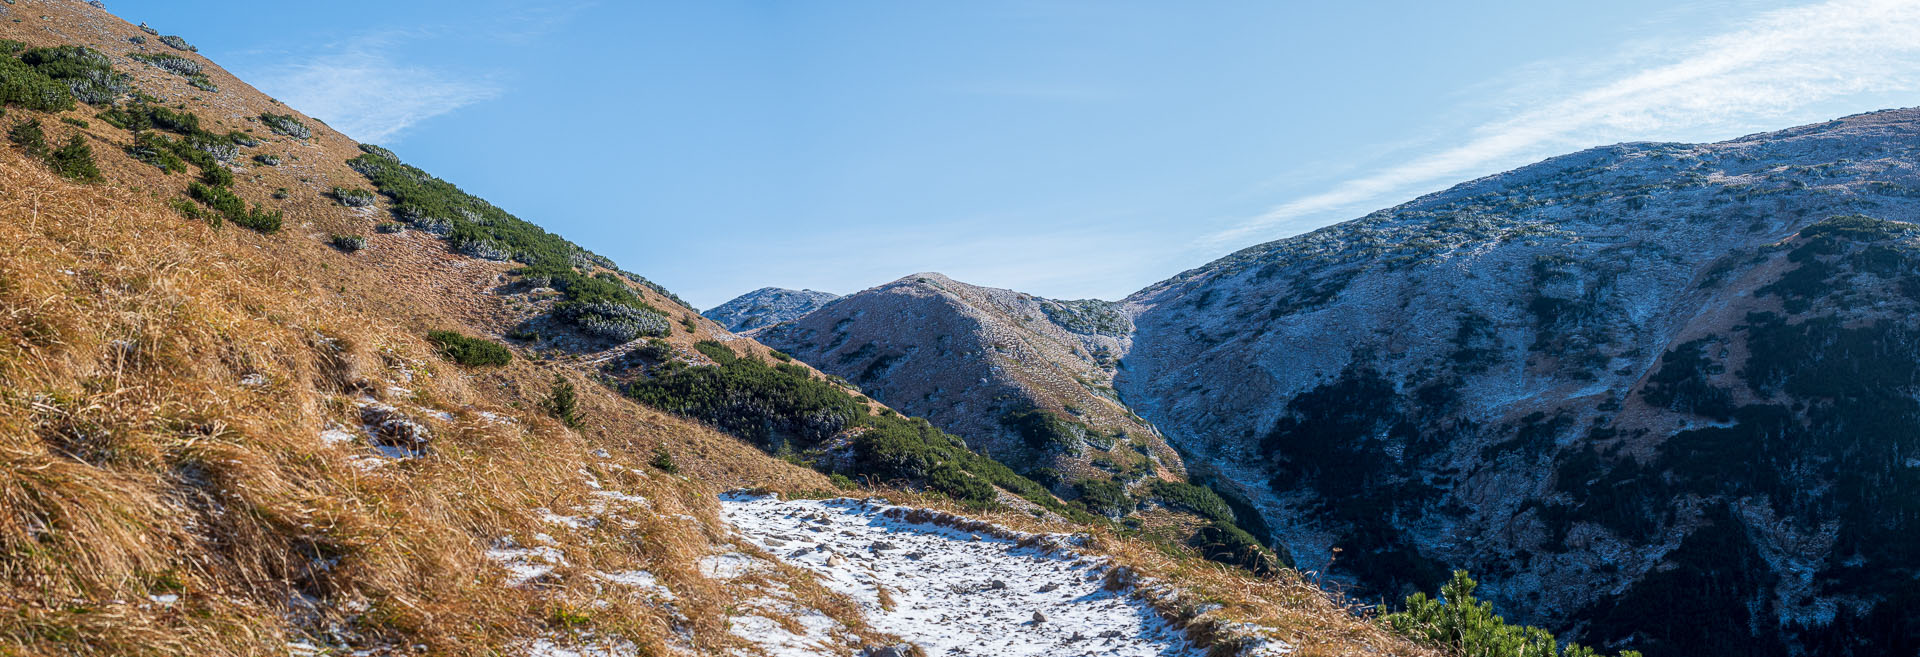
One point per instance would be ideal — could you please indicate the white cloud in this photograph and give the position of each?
(360, 89)
(1770, 67)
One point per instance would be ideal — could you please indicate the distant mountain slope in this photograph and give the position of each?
(767, 306)
(1634, 383)
(1025, 378)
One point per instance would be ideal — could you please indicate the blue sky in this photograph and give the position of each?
(1065, 148)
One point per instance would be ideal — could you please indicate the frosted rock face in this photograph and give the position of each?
(767, 306)
(1605, 382)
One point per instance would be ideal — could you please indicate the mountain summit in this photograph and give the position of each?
(767, 306)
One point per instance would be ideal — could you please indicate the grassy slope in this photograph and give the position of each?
(163, 385)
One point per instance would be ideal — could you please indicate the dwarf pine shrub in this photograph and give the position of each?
(483, 249)
(149, 29)
(170, 63)
(157, 150)
(1459, 624)
(178, 43)
(74, 160)
(285, 124)
(1226, 543)
(179, 66)
(348, 243)
(718, 351)
(215, 175)
(29, 136)
(267, 159)
(87, 73)
(22, 85)
(1200, 500)
(1105, 497)
(187, 209)
(563, 402)
(614, 321)
(389, 227)
(220, 148)
(234, 209)
(353, 198)
(469, 351)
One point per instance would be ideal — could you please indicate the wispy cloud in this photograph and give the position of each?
(1766, 68)
(361, 89)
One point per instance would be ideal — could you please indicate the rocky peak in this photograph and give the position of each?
(767, 306)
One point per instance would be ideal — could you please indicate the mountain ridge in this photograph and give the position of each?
(1472, 361)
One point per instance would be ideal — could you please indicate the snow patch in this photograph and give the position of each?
(952, 591)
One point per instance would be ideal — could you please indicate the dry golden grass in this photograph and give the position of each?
(136, 460)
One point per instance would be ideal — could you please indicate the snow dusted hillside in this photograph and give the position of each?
(1544, 376)
(767, 306)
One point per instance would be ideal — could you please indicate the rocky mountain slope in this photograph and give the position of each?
(767, 306)
(1635, 383)
(1025, 378)
(1626, 387)
(266, 390)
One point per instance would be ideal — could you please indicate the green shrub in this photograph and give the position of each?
(78, 123)
(842, 482)
(348, 243)
(87, 73)
(157, 150)
(1042, 430)
(267, 159)
(178, 43)
(1223, 542)
(22, 85)
(232, 208)
(563, 402)
(11, 47)
(388, 227)
(1200, 500)
(74, 160)
(1105, 497)
(285, 124)
(719, 352)
(30, 137)
(187, 209)
(615, 321)
(1461, 625)
(663, 461)
(750, 400)
(782, 357)
(216, 175)
(655, 350)
(177, 65)
(353, 198)
(472, 352)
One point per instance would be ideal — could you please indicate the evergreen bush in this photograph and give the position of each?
(1459, 624)
(469, 351)
(285, 124)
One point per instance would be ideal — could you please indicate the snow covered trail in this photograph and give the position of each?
(952, 591)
